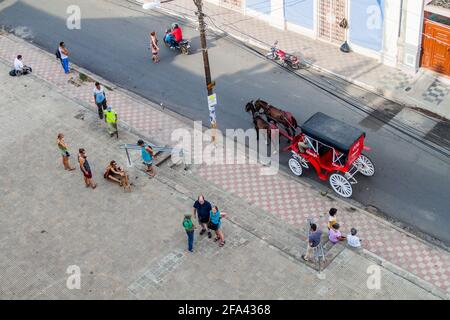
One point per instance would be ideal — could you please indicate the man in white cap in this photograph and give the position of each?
(111, 121)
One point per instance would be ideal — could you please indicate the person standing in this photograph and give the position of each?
(147, 157)
(189, 227)
(203, 208)
(63, 149)
(85, 169)
(332, 217)
(154, 47)
(64, 56)
(215, 223)
(100, 99)
(313, 241)
(111, 121)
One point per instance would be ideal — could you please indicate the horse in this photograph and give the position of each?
(278, 115)
(258, 121)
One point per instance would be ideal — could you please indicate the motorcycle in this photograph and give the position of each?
(182, 46)
(286, 59)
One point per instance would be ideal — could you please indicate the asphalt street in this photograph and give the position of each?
(412, 180)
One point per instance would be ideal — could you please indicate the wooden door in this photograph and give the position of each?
(331, 13)
(436, 47)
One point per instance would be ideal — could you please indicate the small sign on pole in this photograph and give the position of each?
(212, 100)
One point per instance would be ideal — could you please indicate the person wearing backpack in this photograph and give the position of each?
(63, 54)
(189, 228)
(100, 99)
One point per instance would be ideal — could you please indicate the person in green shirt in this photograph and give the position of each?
(189, 228)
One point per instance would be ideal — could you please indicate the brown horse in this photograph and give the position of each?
(284, 118)
(258, 121)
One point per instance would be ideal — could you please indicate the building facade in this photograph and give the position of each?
(390, 31)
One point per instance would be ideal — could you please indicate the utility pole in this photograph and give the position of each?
(209, 84)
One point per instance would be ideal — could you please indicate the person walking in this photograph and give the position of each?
(313, 241)
(85, 169)
(203, 208)
(111, 121)
(147, 157)
(215, 223)
(100, 99)
(64, 56)
(63, 149)
(189, 227)
(154, 47)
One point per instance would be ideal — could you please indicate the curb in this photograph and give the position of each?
(393, 268)
(385, 93)
(434, 290)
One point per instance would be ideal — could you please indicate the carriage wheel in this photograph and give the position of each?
(367, 168)
(304, 163)
(341, 185)
(295, 167)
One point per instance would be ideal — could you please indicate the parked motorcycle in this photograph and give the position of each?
(183, 46)
(286, 59)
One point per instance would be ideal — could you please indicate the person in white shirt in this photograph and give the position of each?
(100, 99)
(19, 67)
(64, 54)
(353, 240)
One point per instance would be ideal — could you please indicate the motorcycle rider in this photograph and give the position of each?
(177, 35)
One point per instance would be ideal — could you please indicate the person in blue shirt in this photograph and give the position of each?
(147, 157)
(215, 223)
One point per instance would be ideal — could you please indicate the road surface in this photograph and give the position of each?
(412, 182)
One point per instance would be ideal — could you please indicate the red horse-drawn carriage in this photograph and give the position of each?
(334, 149)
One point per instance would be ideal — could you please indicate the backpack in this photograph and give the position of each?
(99, 97)
(187, 224)
(12, 73)
(58, 54)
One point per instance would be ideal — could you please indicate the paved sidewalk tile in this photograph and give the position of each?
(292, 202)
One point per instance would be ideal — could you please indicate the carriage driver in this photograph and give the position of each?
(302, 145)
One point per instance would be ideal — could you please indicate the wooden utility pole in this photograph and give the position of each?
(209, 84)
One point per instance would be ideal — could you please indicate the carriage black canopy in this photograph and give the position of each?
(332, 132)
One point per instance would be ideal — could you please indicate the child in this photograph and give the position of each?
(334, 235)
(353, 240)
(331, 217)
(154, 46)
(189, 228)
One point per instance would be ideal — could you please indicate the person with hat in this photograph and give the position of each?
(189, 227)
(111, 121)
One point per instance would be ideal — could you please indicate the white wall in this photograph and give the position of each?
(410, 41)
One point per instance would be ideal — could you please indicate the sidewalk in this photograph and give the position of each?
(288, 200)
(132, 245)
(426, 90)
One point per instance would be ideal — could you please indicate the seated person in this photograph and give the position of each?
(117, 174)
(19, 67)
(334, 235)
(353, 240)
(170, 39)
(177, 33)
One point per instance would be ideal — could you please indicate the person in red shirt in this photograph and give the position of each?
(177, 33)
